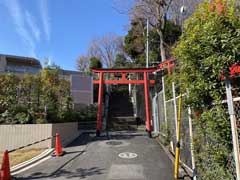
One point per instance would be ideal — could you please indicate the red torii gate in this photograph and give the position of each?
(164, 65)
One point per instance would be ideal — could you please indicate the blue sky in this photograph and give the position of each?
(58, 29)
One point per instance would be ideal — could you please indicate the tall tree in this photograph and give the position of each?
(83, 63)
(95, 63)
(134, 42)
(189, 8)
(106, 48)
(121, 61)
(157, 12)
(136, 38)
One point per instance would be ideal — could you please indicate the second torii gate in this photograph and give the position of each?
(145, 71)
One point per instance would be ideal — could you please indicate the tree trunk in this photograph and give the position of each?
(161, 32)
(162, 48)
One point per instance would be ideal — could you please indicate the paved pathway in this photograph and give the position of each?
(91, 158)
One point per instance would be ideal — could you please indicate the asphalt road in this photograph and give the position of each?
(92, 158)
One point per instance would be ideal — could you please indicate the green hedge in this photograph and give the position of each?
(39, 98)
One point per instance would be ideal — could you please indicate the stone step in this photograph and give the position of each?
(121, 113)
(120, 127)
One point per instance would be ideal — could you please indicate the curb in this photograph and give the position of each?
(47, 154)
(32, 162)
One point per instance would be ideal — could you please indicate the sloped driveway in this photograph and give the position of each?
(92, 158)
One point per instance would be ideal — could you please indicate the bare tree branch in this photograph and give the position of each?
(82, 63)
(106, 48)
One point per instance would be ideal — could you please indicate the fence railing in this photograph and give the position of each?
(166, 125)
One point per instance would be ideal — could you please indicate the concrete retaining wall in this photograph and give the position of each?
(14, 136)
(68, 132)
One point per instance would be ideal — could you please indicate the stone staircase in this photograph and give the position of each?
(121, 115)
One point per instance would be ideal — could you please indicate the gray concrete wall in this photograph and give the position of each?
(68, 132)
(14, 136)
(81, 90)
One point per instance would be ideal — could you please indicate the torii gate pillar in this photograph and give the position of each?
(100, 98)
(146, 95)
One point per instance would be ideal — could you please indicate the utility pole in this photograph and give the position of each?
(147, 44)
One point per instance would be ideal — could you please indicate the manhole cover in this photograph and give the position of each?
(127, 155)
(114, 143)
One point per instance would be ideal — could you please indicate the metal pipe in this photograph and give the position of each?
(164, 100)
(147, 48)
(177, 153)
(191, 142)
(175, 106)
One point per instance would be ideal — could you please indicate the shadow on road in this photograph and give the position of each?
(78, 173)
(88, 138)
(59, 166)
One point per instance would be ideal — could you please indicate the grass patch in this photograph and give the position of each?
(21, 156)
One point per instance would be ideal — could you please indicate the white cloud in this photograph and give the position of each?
(32, 25)
(18, 17)
(45, 18)
(26, 25)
